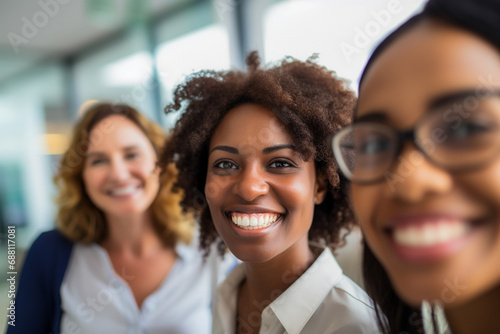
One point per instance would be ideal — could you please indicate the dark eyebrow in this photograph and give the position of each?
(372, 116)
(451, 97)
(267, 150)
(275, 148)
(229, 149)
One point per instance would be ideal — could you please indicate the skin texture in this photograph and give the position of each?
(121, 158)
(256, 181)
(428, 61)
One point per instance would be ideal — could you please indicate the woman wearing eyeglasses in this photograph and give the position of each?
(423, 155)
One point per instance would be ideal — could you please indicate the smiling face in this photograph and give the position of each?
(120, 173)
(436, 233)
(261, 193)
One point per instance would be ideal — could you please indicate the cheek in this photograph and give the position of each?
(212, 190)
(484, 184)
(217, 188)
(155, 183)
(297, 195)
(364, 200)
(90, 180)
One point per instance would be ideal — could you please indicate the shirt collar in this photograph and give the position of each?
(291, 308)
(227, 294)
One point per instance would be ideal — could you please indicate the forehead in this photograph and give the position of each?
(116, 130)
(429, 60)
(250, 124)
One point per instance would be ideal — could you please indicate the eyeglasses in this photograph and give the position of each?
(459, 136)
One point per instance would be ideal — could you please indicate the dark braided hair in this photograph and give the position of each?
(310, 101)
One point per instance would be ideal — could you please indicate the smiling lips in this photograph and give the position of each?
(123, 191)
(430, 232)
(253, 221)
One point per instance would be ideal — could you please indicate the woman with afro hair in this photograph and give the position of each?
(257, 171)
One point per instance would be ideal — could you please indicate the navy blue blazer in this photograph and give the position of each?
(38, 300)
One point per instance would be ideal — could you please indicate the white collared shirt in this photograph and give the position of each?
(322, 300)
(94, 299)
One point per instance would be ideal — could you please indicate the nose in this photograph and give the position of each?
(119, 170)
(251, 184)
(414, 177)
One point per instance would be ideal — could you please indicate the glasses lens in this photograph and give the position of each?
(365, 151)
(460, 138)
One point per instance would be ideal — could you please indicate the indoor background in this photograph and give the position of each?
(59, 56)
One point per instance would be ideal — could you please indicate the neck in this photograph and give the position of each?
(477, 316)
(131, 234)
(266, 281)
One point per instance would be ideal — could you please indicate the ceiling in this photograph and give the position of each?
(34, 31)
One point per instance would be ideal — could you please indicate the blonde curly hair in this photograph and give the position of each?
(80, 220)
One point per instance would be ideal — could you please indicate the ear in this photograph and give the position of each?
(320, 189)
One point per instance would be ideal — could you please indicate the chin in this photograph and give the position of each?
(127, 212)
(251, 254)
(415, 295)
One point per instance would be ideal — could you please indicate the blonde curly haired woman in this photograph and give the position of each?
(121, 258)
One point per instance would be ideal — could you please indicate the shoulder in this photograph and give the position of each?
(344, 295)
(52, 238)
(49, 246)
(347, 308)
(352, 293)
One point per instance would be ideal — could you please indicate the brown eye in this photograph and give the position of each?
(132, 155)
(96, 162)
(225, 165)
(280, 164)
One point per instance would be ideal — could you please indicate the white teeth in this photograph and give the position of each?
(253, 221)
(123, 191)
(430, 234)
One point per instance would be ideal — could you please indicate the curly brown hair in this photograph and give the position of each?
(79, 219)
(307, 98)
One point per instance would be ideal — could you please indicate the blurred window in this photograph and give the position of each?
(342, 32)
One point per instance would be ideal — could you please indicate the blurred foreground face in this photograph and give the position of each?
(434, 221)
(120, 173)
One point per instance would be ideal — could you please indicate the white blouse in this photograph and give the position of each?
(94, 299)
(323, 300)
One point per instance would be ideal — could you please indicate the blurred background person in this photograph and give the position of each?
(120, 259)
